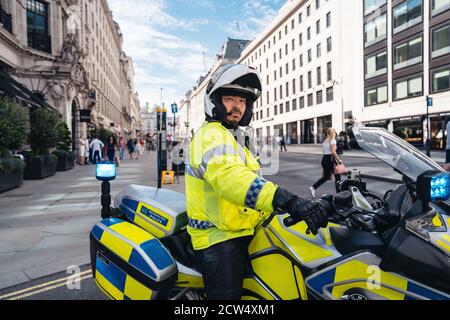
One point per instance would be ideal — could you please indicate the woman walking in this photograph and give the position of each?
(111, 148)
(82, 150)
(330, 156)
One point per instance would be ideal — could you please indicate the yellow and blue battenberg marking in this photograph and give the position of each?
(121, 248)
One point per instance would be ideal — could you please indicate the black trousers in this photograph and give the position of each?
(224, 267)
(327, 165)
(97, 156)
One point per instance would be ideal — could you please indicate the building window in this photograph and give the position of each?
(319, 98)
(268, 97)
(274, 57)
(408, 87)
(275, 75)
(300, 17)
(408, 53)
(287, 89)
(375, 30)
(441, 79)
(294, 104)
(268, 112)
(275, 110)
(309, 55)
(37, 26)
(407, 14)
(286, 49)
(287, 68)
(279, 35)
(376, 95)
(308, 33)
(308, 10)
(328, 19)
(440, 41)
(329, 71)
(372, 5)
(261, 114)
(317, 26)
(301, 60)
(294, 87)
(293, 44)
(275, 94)
(280, 53)
(438, 6)
(309, 80)
(281, 108)
(317, 4)
(301, 83)
(319, 76)
(281, 92)
(285, 30)
(292, 24)
(376, 65)
(329, 44)
(301, 102)
(281, 72)
(288, 107)
(319, 50)
(300, 39)
(310, 100)
(330, 94)
(293, 64)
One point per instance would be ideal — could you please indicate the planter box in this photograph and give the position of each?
(37, 169)
(11, 181)
(65, 164)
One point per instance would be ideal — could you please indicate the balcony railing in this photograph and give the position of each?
(5, 19)
(39, 41)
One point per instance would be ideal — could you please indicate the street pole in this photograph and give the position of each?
(428, 142)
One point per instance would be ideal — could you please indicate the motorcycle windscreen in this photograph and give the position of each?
(394, 151)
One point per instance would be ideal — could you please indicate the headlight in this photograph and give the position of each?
(433, 186)
(105, 171)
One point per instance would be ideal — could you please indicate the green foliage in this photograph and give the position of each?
(64, 137)
(44, 130)
(12, 126)
(10, 165)
(103, 134)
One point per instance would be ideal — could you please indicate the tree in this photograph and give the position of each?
(12, 126)
(44, 130)
(64, 137)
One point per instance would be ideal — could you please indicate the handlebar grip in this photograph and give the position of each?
(289, 221)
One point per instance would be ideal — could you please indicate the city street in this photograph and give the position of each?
(44, 225)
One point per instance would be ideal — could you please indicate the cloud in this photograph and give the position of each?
(161, 59)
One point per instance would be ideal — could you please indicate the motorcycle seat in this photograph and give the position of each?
(180, 246)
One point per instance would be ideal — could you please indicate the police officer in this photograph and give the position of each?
(226, 197)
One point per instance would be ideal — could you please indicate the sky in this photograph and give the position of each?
(167, 39)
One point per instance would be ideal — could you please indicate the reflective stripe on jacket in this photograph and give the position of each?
(222, 188)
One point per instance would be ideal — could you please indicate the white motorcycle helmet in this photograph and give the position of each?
(232, 80)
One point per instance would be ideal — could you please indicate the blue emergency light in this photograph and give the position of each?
(105, 171)
(433, 186)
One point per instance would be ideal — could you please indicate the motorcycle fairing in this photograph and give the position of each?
(362, 272)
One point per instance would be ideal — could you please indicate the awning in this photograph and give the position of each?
(10, 87)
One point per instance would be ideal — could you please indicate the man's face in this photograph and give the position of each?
(236, 106)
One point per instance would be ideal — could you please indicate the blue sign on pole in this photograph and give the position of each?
(174, 108)
(429, 101)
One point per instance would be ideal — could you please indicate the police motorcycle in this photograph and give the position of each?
(391, 247)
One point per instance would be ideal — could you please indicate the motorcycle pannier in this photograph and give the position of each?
(129, 263)
(161, 212)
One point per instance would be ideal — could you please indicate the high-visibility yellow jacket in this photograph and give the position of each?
(226, 197)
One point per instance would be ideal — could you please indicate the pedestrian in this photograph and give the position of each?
(96, 146)
(142, 141)
(130, 147)
(226, 199)
(447, 147)
(121, 147)
(91, 151)
(87, 151)
(137, 148)
(329, 158)
(82, 150)
(283, 144)
(111, 148)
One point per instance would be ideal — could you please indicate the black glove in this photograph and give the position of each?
(301, 209)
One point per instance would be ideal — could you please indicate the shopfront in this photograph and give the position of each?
(323, 124)
(292, 137)
(438, 136)
(307, 127)
(411, 130)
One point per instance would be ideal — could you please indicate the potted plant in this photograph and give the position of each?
(66, 157)
(40, 163)
(12, 135)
